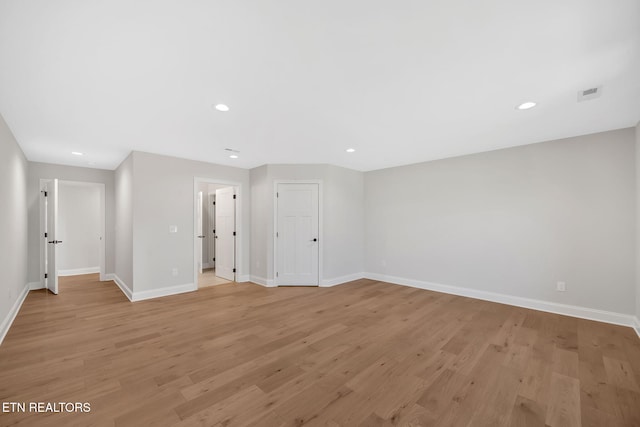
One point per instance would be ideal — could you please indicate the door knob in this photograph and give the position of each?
(55, 242)
(200, 237)
(314, 240)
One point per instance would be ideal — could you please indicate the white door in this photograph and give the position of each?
(199, 234)
(225, 233)
(211, 232)
(51, 190)
(297, 235)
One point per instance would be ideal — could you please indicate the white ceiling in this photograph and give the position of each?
(401, 82)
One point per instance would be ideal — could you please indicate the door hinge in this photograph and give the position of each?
(277, 194)
(45, 194)
(277, 235)
(214, 203)
(234, 270)
(46, 276)
(46, 235)
(214, 231)
(234, 233)
(234, 196)
(277, 274)
(213, 259)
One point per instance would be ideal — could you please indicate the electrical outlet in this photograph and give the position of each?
(174, 271)
(561, 287)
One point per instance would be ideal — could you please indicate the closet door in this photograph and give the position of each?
(297, 235)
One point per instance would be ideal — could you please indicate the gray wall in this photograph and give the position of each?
(343, 227)
(39, 171)
(637, 129)
(343, 222)
(79, 226)
(513, 221)
(123, 183)
(163, 195)
(13, 221)
(261, 215)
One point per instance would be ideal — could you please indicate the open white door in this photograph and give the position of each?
(51, 190)
(211, 232)
(199, 234)
(297, 235)
(225, 233)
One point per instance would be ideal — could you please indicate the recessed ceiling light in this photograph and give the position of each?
(222, 107)
(526, 105)
(350, 150)
(233, 156)
(77, 153)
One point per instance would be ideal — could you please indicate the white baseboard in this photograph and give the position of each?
(326, 283)
(79, 271)
(34, 286)
(551, 307)
(123, 286)
(262, 281)
(151, 293)
(11, 315)
(636, 325)
(163, 292)
(243, 278)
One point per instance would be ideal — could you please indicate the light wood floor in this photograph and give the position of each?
(208, 278)
(365, 353)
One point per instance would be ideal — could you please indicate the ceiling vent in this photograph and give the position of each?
(589, 94)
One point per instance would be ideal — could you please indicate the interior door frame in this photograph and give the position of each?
(43, 225)
(276, 182)
(239, 236)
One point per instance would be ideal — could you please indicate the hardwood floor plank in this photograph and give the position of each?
(564, 402)
(620, 374)
(527, 413)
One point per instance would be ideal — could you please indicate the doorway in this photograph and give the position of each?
(297, 234)
(72, 225)
(217, 220)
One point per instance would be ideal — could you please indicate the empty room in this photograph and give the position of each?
(285, 213)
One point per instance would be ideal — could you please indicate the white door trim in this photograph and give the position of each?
(320, 223)
(102, 220)
(239, 236)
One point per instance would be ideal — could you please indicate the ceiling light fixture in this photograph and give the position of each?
(350, 150)
(77, 153)
(222, 107)
(526, 105)
(233, 156)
